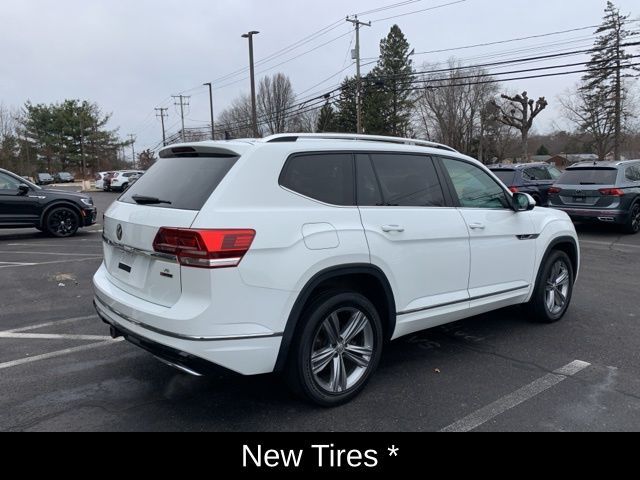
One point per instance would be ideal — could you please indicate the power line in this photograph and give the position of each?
(418, 11)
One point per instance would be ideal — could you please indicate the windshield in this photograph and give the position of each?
(589, 176)
(180, 183)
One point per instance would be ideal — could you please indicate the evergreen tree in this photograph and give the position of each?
(388, 108)
(610, 63)
(543, 150)
(326, 119)
(346, 115)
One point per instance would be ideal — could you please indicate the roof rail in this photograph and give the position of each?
(294, 137)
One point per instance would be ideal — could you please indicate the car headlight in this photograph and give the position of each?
(87, 201)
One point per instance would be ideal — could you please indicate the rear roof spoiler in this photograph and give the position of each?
(206, 149)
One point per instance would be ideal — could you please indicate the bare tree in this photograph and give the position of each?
(304, 121)
(449, 106)
(275, 98)
(586, 113)
(519, 112)
(235, 121)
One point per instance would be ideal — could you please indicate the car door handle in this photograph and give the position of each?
(477, 226)
(392, 229)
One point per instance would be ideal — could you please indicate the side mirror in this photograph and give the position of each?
(23, 189)
(523, 202)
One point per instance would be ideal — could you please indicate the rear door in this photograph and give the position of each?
(502, 248)
(414, 234)
(170, 194)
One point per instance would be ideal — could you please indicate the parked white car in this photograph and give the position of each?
(119, 181)
(99, 178)
(305, 254)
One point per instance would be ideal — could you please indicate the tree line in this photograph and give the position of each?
(463, 106)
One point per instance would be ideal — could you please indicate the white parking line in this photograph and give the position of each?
(50, 324)
(609, 244)
(514, 399)
(19, 264)
(50, 253)
(59, 353)
(59, 245)
(52, 263)
(53, 336)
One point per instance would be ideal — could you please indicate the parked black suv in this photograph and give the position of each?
(533, 178)
(606, 192)
(56, 212)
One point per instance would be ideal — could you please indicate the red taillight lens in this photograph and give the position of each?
(513, 189)
(205, 248)
(611, 192)
(554, 190)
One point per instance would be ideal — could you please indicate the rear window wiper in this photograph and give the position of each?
(142, 200)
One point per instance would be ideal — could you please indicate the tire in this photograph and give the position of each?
(344, 366)
(633, 224)
(62, 222)
(546, 304)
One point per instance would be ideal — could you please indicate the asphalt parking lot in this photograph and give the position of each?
(59, 369)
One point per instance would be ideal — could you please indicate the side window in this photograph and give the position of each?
(554, 172)
(407, 180)
(537, 173)
(8, 183)
(633, 173)
(475, 188)
(324, 177)
(367, 183)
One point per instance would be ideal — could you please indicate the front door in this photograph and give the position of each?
(503, 250)
(16, 209)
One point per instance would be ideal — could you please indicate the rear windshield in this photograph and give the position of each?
(589, 176)
(187, 183)
(506, 176)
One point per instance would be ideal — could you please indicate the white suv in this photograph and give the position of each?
(305, 254)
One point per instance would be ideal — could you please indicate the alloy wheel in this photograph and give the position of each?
(62, 222)
(342, 350)
(557, 289)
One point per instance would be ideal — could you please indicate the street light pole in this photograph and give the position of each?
(213, 128)
(254, 112)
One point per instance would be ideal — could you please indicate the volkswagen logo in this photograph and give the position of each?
(119, 232)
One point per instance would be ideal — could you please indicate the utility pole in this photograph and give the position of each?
(84, 177)
(254, 112)
(182, 102)
(132, 137)
(357, 23)
(162, 115)
(213, 128)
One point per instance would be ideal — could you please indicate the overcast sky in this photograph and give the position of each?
(130, 56)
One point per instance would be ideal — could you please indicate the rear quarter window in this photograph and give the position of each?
(589, 176)
(187, 183)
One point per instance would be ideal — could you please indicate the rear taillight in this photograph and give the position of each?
(205, 248)
(554, 190)
(611, 192)
(513, 189)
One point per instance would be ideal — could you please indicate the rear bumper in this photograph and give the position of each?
(594, 214)
(178, 359)
(239, 346)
